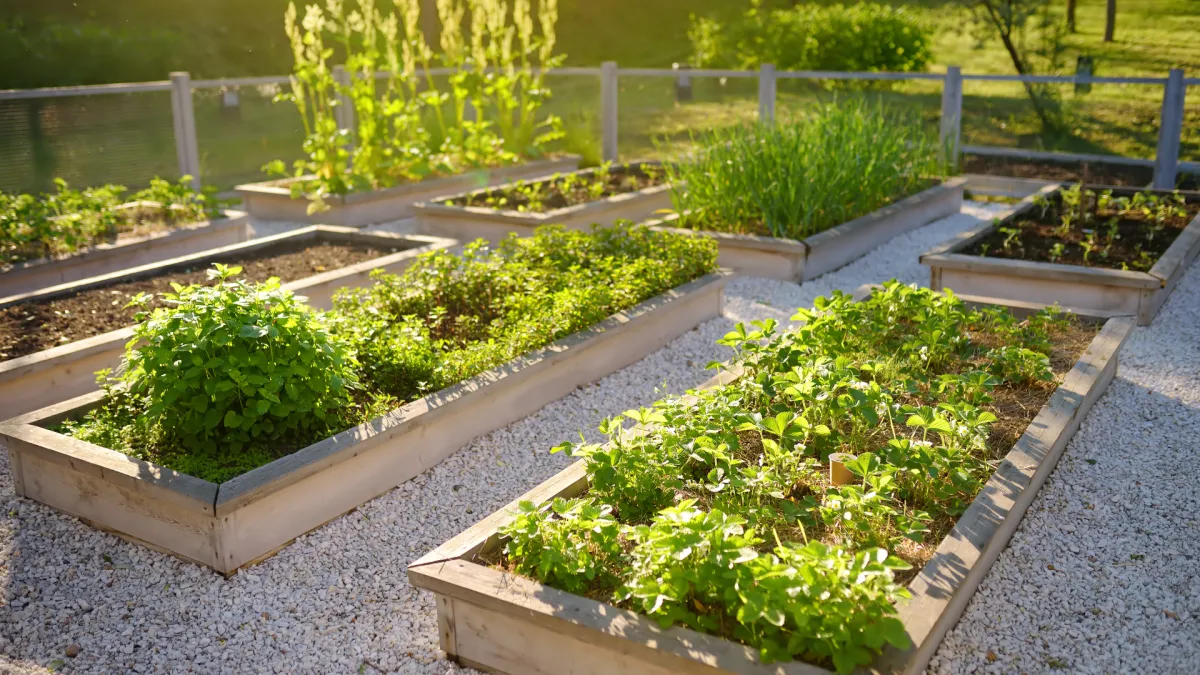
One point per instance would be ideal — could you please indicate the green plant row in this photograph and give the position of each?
(231, 376)
(830, 164)
(561, 190)
(67, 221)
(407, 126)
(718, 513)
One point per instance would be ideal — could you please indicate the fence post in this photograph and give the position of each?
(344, 112)
(186, 148)
(952, 103)
(1166, 160)
(766, 94)
(608, 110)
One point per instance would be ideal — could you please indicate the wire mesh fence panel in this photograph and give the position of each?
(125, 139)
(239, 129)
(1098, 119)
(575, 99)
(657, 115)
(906, 99)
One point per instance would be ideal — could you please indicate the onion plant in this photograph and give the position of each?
(825, 166)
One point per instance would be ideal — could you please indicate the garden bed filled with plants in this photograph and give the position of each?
(55, 338)
(600, 196)
(272, 399)
(71, 234)
(1116, 250)
(798, 199)
(794, 505)
(373, 146)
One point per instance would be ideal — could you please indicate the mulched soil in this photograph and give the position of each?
(1136, 246)
(35, 326)
(548, 195)
(1098, 174)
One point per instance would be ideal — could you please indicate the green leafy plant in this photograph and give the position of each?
(830, 164)
(564, 189)
(716, 511)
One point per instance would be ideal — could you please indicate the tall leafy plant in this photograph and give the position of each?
(405, 126)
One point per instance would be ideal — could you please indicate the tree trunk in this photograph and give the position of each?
(1110, 20)
(1071, 15)
(1019, 65)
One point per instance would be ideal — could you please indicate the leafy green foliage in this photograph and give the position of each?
(563, 190)
(864, 36)
(406, 127)
(68, 221)
(233, 375)
(829, 165)
(901, 381)
(231, 371)
(449, 317)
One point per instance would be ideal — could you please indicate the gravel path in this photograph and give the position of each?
(338, 601)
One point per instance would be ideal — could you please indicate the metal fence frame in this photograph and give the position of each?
(1166, 163)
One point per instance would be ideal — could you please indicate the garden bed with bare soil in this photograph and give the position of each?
(30, 327)
(600, 196)
(1096, 173)
(1120, 250)
(528, 589)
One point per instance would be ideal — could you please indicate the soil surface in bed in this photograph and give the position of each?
(1099, 174)
(561, 191)
(35, 326)
(1135, 243)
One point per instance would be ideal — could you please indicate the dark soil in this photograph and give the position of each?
(1097, 174)
(35, 326)
(1135, 245)
(567, 190)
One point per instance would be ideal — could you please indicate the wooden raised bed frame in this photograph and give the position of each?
(1086, 290)
(249, 518)
(37, 380)
(478, 222)
(273, 200)
(33, 275)
(791, 260)
(503, 623)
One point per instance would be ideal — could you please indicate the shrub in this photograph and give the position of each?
(832, 163)
(860, 37)
(227, 375)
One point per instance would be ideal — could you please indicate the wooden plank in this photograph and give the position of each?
(1043, 270)
(447, 629)
(570, 617)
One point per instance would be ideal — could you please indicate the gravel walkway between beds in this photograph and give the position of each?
(338, 600)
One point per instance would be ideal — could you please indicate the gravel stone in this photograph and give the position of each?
(338, 599)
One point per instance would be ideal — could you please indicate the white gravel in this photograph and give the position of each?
(338, 600)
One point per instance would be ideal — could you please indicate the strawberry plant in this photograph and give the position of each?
(721, 499)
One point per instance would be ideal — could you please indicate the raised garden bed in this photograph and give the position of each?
(272, 200)
(495, 620)
(791, 260)
(125, 252)
(603, 196)
(51, 356)
(249, 516)
(1021, 176)
(1101, 262)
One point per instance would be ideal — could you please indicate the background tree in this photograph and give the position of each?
(1033, 40)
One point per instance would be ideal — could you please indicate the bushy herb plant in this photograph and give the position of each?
(231, 376)
(827, 165)
(68, 220)
(565, 189)
(715, 510)
(224, 376)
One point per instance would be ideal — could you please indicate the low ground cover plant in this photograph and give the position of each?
(717, 511)
(829, 164)
(1079, 226)
(68, 220)
(408, 126)
(863, 36)
(228, 377)
(565, 189)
